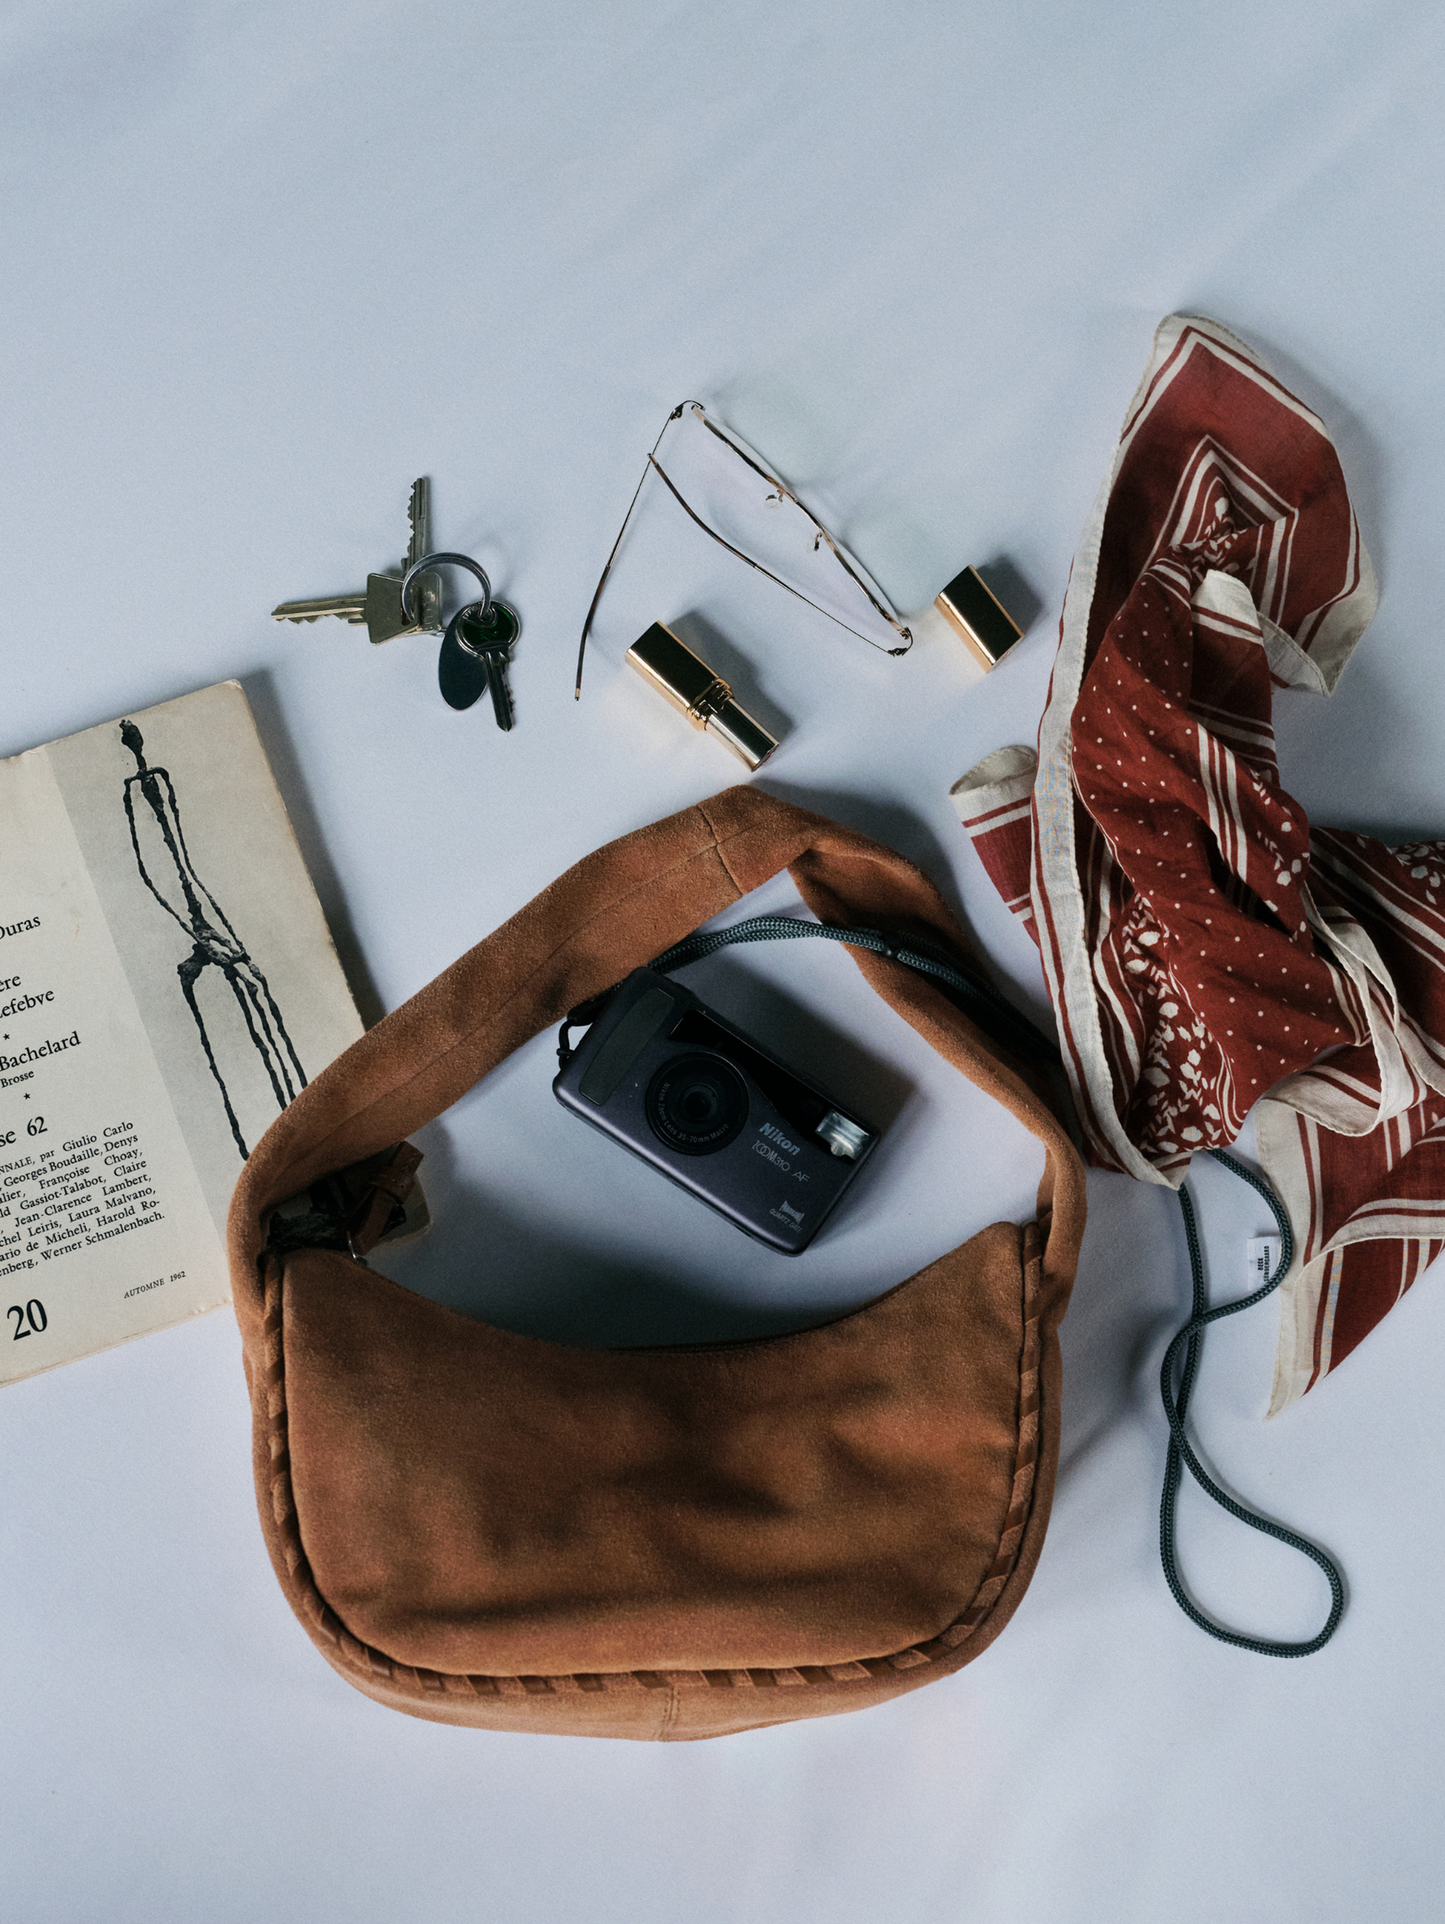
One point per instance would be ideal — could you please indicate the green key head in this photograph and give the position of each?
(499, 630)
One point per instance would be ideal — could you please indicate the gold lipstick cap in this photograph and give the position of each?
(685, 680)
(978, 617)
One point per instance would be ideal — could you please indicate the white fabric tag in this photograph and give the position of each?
(1261, 1259)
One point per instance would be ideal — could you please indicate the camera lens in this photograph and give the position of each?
(697, 1104)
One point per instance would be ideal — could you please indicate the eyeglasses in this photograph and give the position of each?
(797, 534)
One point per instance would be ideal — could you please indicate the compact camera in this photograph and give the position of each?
(669, 1079)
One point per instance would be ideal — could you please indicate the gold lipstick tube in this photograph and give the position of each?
(977, 616)
(685, 680)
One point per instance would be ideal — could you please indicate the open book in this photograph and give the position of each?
(167, 985)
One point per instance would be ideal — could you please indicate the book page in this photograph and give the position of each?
(104, 1230)
(169, 986)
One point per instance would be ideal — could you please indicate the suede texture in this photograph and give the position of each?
(483, 1528)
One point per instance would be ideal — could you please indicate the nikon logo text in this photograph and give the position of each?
(777, 1136)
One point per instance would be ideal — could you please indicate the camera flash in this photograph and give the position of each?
(844, 1138)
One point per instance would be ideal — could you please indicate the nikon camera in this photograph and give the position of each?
(665, 1076)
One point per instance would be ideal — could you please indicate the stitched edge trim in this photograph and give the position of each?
(350, 1653)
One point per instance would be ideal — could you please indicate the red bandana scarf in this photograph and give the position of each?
(1205, 949)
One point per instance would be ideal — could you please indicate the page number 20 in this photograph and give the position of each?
(29, 1321)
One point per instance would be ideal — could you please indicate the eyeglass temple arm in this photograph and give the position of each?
(602, 583)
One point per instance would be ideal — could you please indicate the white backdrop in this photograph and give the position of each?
(266, 263)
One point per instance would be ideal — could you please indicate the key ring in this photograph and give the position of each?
(442, 560)
(465, 666)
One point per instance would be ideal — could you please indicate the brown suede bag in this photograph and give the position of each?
(484, 1528)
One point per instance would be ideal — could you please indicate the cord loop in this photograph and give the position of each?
(1180, 1456)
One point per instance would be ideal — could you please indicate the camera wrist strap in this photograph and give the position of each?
(1180, 1456)
(982, 1003)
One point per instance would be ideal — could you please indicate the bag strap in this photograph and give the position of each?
(1180, 1456)
(633, 899)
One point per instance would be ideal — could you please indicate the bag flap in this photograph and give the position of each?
(471, 1500)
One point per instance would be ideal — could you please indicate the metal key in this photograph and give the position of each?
(378, 606)
(489, 643)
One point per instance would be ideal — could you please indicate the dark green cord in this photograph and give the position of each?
(987, 1008)
(1180, 1454)
(981, 1002)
